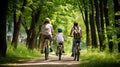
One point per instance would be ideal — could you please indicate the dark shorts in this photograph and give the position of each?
(47, 37)
(60, 43)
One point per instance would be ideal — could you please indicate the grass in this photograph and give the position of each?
(88, 58)
(99, 59)
(19, 55)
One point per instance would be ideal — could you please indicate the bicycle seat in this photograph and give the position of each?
(60, 43)
(77, 41)
(46, 38)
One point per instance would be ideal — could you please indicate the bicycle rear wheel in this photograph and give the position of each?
(60, 53)
(46, 52)
(78, 55)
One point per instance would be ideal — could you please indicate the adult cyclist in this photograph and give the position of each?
(47, 31)
(76, 31)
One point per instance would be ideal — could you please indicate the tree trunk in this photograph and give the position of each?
(86, 22)
(92, 25)
(117, 17)
(117, 25)
(17, 25)
(111, 22)
(118, 36)
(97, 18)
(32, 31)
(87, 29)
(102, 23)
(106, 15)
(3, 15)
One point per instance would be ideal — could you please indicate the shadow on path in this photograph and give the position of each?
(53, 61)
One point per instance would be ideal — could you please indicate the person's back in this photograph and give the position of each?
(59, 38)
(47, 29)
(76, 31)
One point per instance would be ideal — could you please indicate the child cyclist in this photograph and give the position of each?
(59, 38)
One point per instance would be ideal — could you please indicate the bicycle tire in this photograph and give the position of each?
(78, 55)
(46, 54)
(75, 54)
(60, 53)
(46, 51)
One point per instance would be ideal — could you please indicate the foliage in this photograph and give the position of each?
(96, 58)
(21, 53)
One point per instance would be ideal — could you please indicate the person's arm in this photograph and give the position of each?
(71, 32)
(64, 37)
(41, 29)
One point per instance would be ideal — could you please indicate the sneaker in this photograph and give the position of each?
(51, 50)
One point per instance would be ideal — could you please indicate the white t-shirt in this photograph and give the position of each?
(60, 38)
(47, 29)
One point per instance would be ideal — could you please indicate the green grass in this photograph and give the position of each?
(88, 58)
(21, 54)
(99, 59)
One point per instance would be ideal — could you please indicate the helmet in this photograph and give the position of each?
(47, 19)
(59, 29)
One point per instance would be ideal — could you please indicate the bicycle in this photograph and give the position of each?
(59, 50)
(46, 48)
(76, 50)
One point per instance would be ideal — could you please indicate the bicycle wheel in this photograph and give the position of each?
(46, 52)
(60, 53)
(75, 54)
(78, 54)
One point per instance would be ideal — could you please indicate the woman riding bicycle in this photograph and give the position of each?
(46, 31)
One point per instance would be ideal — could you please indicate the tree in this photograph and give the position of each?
(92, 25)
(17, 24)
(84, 9)
(117, 18)
(110, 27)
(3, 16)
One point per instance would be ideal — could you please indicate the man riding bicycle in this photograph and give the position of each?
(77, 34)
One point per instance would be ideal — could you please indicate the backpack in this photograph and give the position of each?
(76, 32)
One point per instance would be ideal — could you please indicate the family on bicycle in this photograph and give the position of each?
(48, 34)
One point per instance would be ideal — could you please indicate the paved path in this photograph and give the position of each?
(53, 61)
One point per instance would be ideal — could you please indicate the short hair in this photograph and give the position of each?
(75, 23)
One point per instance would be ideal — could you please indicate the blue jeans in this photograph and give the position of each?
(74, 41)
